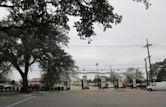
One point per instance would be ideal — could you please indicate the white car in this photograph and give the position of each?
(6, 86)
(110, 85)
(157, 86)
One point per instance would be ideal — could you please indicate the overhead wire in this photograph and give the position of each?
(104, 46)
(161, 45)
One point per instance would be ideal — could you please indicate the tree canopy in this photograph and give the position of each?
(38, 12)
(133, 73)
(4, 69)
(159, 70)
(54, 65)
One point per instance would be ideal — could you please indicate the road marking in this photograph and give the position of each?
(20, 101)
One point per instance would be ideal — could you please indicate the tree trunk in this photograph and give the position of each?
(24, 88)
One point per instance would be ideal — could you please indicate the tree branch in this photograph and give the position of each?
(13, 60)
(86, 2)
(32, 62)
(5, 29)
(6, 6)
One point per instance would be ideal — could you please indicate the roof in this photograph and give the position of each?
(35, 79)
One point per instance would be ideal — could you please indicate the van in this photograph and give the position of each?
(157, 86)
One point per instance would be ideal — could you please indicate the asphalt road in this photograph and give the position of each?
(88, 98)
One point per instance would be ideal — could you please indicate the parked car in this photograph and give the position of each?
(109, 85)
(6, 86)
(1, 86)
(157, 86)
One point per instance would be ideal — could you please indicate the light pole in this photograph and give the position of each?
(97, 68)
(84, 72)
(97, 74)
(111, 77)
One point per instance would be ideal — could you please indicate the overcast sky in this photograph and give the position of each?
(123, 45)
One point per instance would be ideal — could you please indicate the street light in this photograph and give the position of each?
(83, 71)
(97, 68)
(111, 77)
(97, 74)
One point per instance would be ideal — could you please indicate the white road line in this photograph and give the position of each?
(20, 101)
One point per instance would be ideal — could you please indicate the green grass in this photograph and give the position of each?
(38, 93)
(8, 93)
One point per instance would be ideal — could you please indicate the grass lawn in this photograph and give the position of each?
(8, 93)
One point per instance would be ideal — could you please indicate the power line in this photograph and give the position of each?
(116, 45)
(155, 46)
(99, 70)
(160, 45)
(109, 65)
(118, 69)
(104, 46)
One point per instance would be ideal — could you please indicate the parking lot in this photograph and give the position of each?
(87, 98)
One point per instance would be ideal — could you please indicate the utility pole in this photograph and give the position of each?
(147, 77)
(150, 65)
